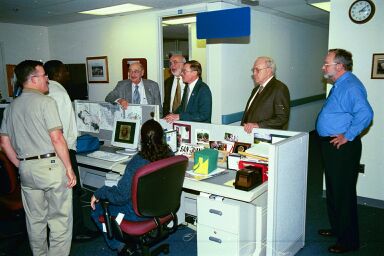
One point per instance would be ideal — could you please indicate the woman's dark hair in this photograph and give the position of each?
(153, 146)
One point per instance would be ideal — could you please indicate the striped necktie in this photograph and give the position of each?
(136, 95)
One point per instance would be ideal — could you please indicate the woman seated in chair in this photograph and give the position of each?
(153, 148)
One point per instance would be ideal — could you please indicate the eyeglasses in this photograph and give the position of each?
(134, 71)
(185, 71)
(175, 63)
(43, 75)
(258, 69)
(329, 64)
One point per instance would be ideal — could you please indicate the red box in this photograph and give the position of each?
(243, 164)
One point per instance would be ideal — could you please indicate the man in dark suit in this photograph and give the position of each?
(173, 85)
(196, 103)
(135, 90)
(268, 105)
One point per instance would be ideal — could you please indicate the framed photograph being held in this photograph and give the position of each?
(183, 132)
(97, 69)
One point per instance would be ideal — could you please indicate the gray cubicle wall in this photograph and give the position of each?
(97, 118)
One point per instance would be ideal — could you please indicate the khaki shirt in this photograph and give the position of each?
(28, 120)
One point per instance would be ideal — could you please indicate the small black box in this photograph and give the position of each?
(248, 178)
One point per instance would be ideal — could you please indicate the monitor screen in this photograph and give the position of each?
(126, 134)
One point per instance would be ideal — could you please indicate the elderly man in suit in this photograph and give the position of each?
(196, 103)
(135, 90)
(268, 105)
(173, 85)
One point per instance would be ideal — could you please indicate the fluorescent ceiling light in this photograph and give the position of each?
(326, 6)
(182, 20)
(122, 8)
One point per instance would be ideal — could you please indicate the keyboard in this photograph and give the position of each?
(108, 156)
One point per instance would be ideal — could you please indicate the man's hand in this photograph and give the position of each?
(123, 103)
(71, 178)
(248, 127)
(94, 200)
(338, 140)
(170, 118)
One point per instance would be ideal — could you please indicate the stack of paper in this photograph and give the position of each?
(111, 179)
(259, 152)
(196, 176)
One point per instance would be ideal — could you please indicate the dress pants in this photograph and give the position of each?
(47, 202)
(341, 173)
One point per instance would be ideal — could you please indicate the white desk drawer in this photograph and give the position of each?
(224, 215)
(212, 242)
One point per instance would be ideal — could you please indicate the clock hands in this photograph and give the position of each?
(363, 9)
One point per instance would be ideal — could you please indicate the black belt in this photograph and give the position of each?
(38, 157)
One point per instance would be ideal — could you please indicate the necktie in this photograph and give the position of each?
(136, 95)
(184, 101)
(177, 99)
(259, 91)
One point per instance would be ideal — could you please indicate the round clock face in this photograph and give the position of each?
(361, 11)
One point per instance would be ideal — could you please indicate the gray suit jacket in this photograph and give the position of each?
(123, 90)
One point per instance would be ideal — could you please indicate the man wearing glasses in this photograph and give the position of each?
(196, 103)
(136, 90)
(268, 105)
(32, 138)
(173, 85)
(345, 115)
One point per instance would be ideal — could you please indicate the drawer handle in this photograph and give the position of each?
(214, 239)
(215, 212)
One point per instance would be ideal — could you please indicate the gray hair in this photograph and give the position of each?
(269, 62)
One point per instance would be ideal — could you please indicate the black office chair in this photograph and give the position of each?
(11, 205)
(12, 216)
(156, 191)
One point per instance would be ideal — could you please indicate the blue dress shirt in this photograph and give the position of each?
(346, 110)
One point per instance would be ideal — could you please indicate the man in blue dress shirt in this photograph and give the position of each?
(345, 114)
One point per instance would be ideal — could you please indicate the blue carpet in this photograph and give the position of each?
(183, 241)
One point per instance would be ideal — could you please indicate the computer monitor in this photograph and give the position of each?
(126, 135)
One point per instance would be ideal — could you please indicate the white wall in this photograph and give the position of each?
(364, 40)
(21, 42)
(131, 36)
(297, 48)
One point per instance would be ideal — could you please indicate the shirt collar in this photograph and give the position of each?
(266, 82)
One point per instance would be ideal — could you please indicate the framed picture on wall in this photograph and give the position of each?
(97, 69)
(377, 66)
(10, 79)
(128, 61)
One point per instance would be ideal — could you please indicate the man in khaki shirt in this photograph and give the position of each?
(31, 136)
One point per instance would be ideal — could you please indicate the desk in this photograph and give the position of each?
(282, 199)
(224, 219)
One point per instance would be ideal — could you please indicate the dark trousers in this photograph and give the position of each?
(78, 219)
(341, 173)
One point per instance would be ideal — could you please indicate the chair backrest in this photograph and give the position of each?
(156, 187)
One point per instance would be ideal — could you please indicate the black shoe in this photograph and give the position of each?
(336, 248)
(85, 236)
(325, 232)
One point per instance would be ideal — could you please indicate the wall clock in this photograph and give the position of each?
(361, 11)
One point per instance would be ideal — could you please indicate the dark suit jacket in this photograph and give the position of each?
(167, 95)
(199, 107)
(271, 108)
(123, 90)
